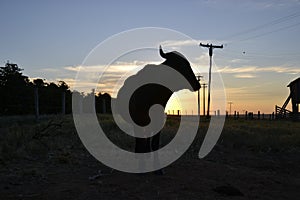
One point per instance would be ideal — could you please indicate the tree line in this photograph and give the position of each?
(18, 94)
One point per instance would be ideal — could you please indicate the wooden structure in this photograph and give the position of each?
(294, 96)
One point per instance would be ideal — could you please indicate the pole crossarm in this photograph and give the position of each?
(211, 45)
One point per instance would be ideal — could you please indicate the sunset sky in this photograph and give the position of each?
(51, 39)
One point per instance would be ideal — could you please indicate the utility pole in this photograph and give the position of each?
(230, 103)
(204, 85)
(210, 50)
(198, 79)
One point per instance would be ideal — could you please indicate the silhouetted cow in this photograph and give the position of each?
(149, 94)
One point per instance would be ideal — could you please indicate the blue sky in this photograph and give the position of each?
(47, 38)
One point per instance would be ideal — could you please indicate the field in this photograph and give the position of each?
(253, 159)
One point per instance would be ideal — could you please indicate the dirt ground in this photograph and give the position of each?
(226, 173)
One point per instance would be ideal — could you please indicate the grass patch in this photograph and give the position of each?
(26, 138)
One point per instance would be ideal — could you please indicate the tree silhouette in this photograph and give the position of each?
(14, 90)
(17, 95)
(39, 83)
(103, 103)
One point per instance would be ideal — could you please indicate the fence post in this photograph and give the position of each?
(36, 103)
(258, 115)
(246, 115)
(63, 103)
(103, 106)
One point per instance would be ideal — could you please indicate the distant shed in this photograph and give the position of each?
(295, 92)
(294, 96)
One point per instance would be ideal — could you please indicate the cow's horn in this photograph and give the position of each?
(162, 54)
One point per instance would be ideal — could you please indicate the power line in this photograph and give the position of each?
(267, 33)
(248, 55)
(265, 25)
(242, 53)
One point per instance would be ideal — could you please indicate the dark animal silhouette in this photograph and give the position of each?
(148, 95)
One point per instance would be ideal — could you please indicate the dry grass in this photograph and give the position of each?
(262, 135)
(26, 138)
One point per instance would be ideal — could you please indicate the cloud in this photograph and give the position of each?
(73, 68)
(191, 42)
(238, 60)
(204, 57)
(104, 78)
(249, 92)
(179, 43)
(51, 70)
(255, 69)
(112, 77)
(244, 76)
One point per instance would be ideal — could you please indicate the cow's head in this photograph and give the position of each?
(178, 62)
